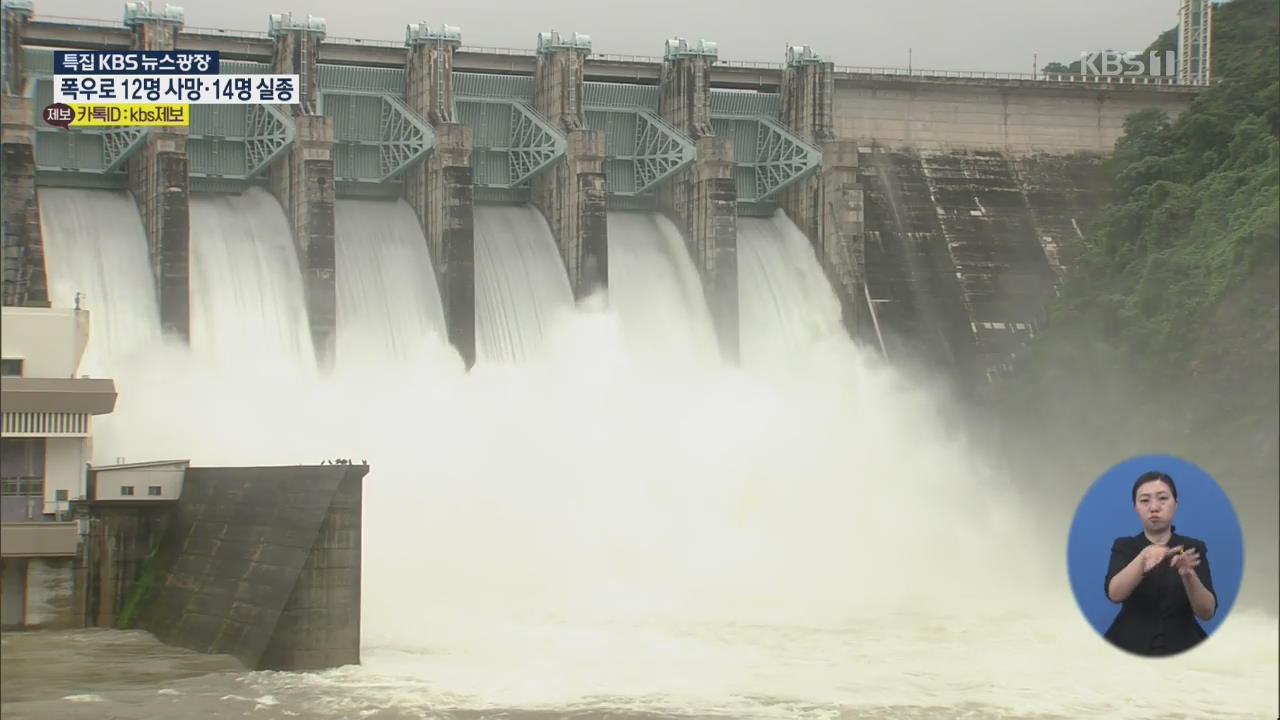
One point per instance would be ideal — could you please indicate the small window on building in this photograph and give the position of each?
(21, 487)
(126, 490)
(11, 367)
(60, 495)
(22, 466)
(153, 490)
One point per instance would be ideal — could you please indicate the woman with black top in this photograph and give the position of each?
(1160, 577)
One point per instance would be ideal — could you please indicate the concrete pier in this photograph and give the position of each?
(23, 250)
(828, 205)
(703, 198)
(22, 254)
(573, 195)
(113, 554)
(158, 180)
(259, 563)
(304, 182)
(38, 592)
(440, 190)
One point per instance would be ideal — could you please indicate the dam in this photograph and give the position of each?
(943, 206)
(625, 343)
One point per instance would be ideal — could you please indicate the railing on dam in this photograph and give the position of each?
(249, 34)
(91, 22)
(925, 74)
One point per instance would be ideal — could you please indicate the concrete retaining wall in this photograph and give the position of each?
(51, 593)
(38, 593)
(263, 564)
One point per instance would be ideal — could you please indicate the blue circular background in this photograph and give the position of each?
(1106, 513)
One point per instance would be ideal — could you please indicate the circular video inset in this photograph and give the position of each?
(1155, 555)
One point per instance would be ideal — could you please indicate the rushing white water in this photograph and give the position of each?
(786, 305)
(248, 310)
(655, 291)
(389, 306)
(521, 286)
(800, 538)
(94, 244)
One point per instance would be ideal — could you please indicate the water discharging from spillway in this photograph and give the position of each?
(389, 308)
(95, 244)
(655, 291)
(786, 306)
(582, 534)
(248, 310)
(521, 286)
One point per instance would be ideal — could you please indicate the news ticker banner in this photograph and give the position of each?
(152, 87)
(63, 115)
(177, 89)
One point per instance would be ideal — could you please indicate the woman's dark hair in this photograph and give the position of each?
(1147, 477)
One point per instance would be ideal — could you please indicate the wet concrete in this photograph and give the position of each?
(965, 249)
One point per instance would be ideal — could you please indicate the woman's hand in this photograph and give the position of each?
(1185, 562)
(1153, 555)
(1203, 602)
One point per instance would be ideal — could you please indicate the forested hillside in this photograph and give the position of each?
(1165, 335)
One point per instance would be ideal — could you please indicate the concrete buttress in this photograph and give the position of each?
(304, 181)
(159, 182)
(703, 198)
(828, 205)
(572, 195)
(22, 253)
(440, 189)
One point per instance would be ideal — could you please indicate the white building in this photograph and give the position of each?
(137, 482)
(46, 436)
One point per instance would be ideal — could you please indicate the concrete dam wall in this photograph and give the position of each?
(964, 249)
(1017, 117)
(976, 193)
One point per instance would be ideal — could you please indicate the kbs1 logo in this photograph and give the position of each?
(1129, 64)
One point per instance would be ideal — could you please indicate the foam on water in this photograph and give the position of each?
(800, 538)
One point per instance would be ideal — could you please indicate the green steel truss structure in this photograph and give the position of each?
(512, 142)
(376, 136)
(643, 149)
(768, 157)
(237, 142)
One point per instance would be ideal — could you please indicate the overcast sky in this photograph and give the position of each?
(998, 35)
